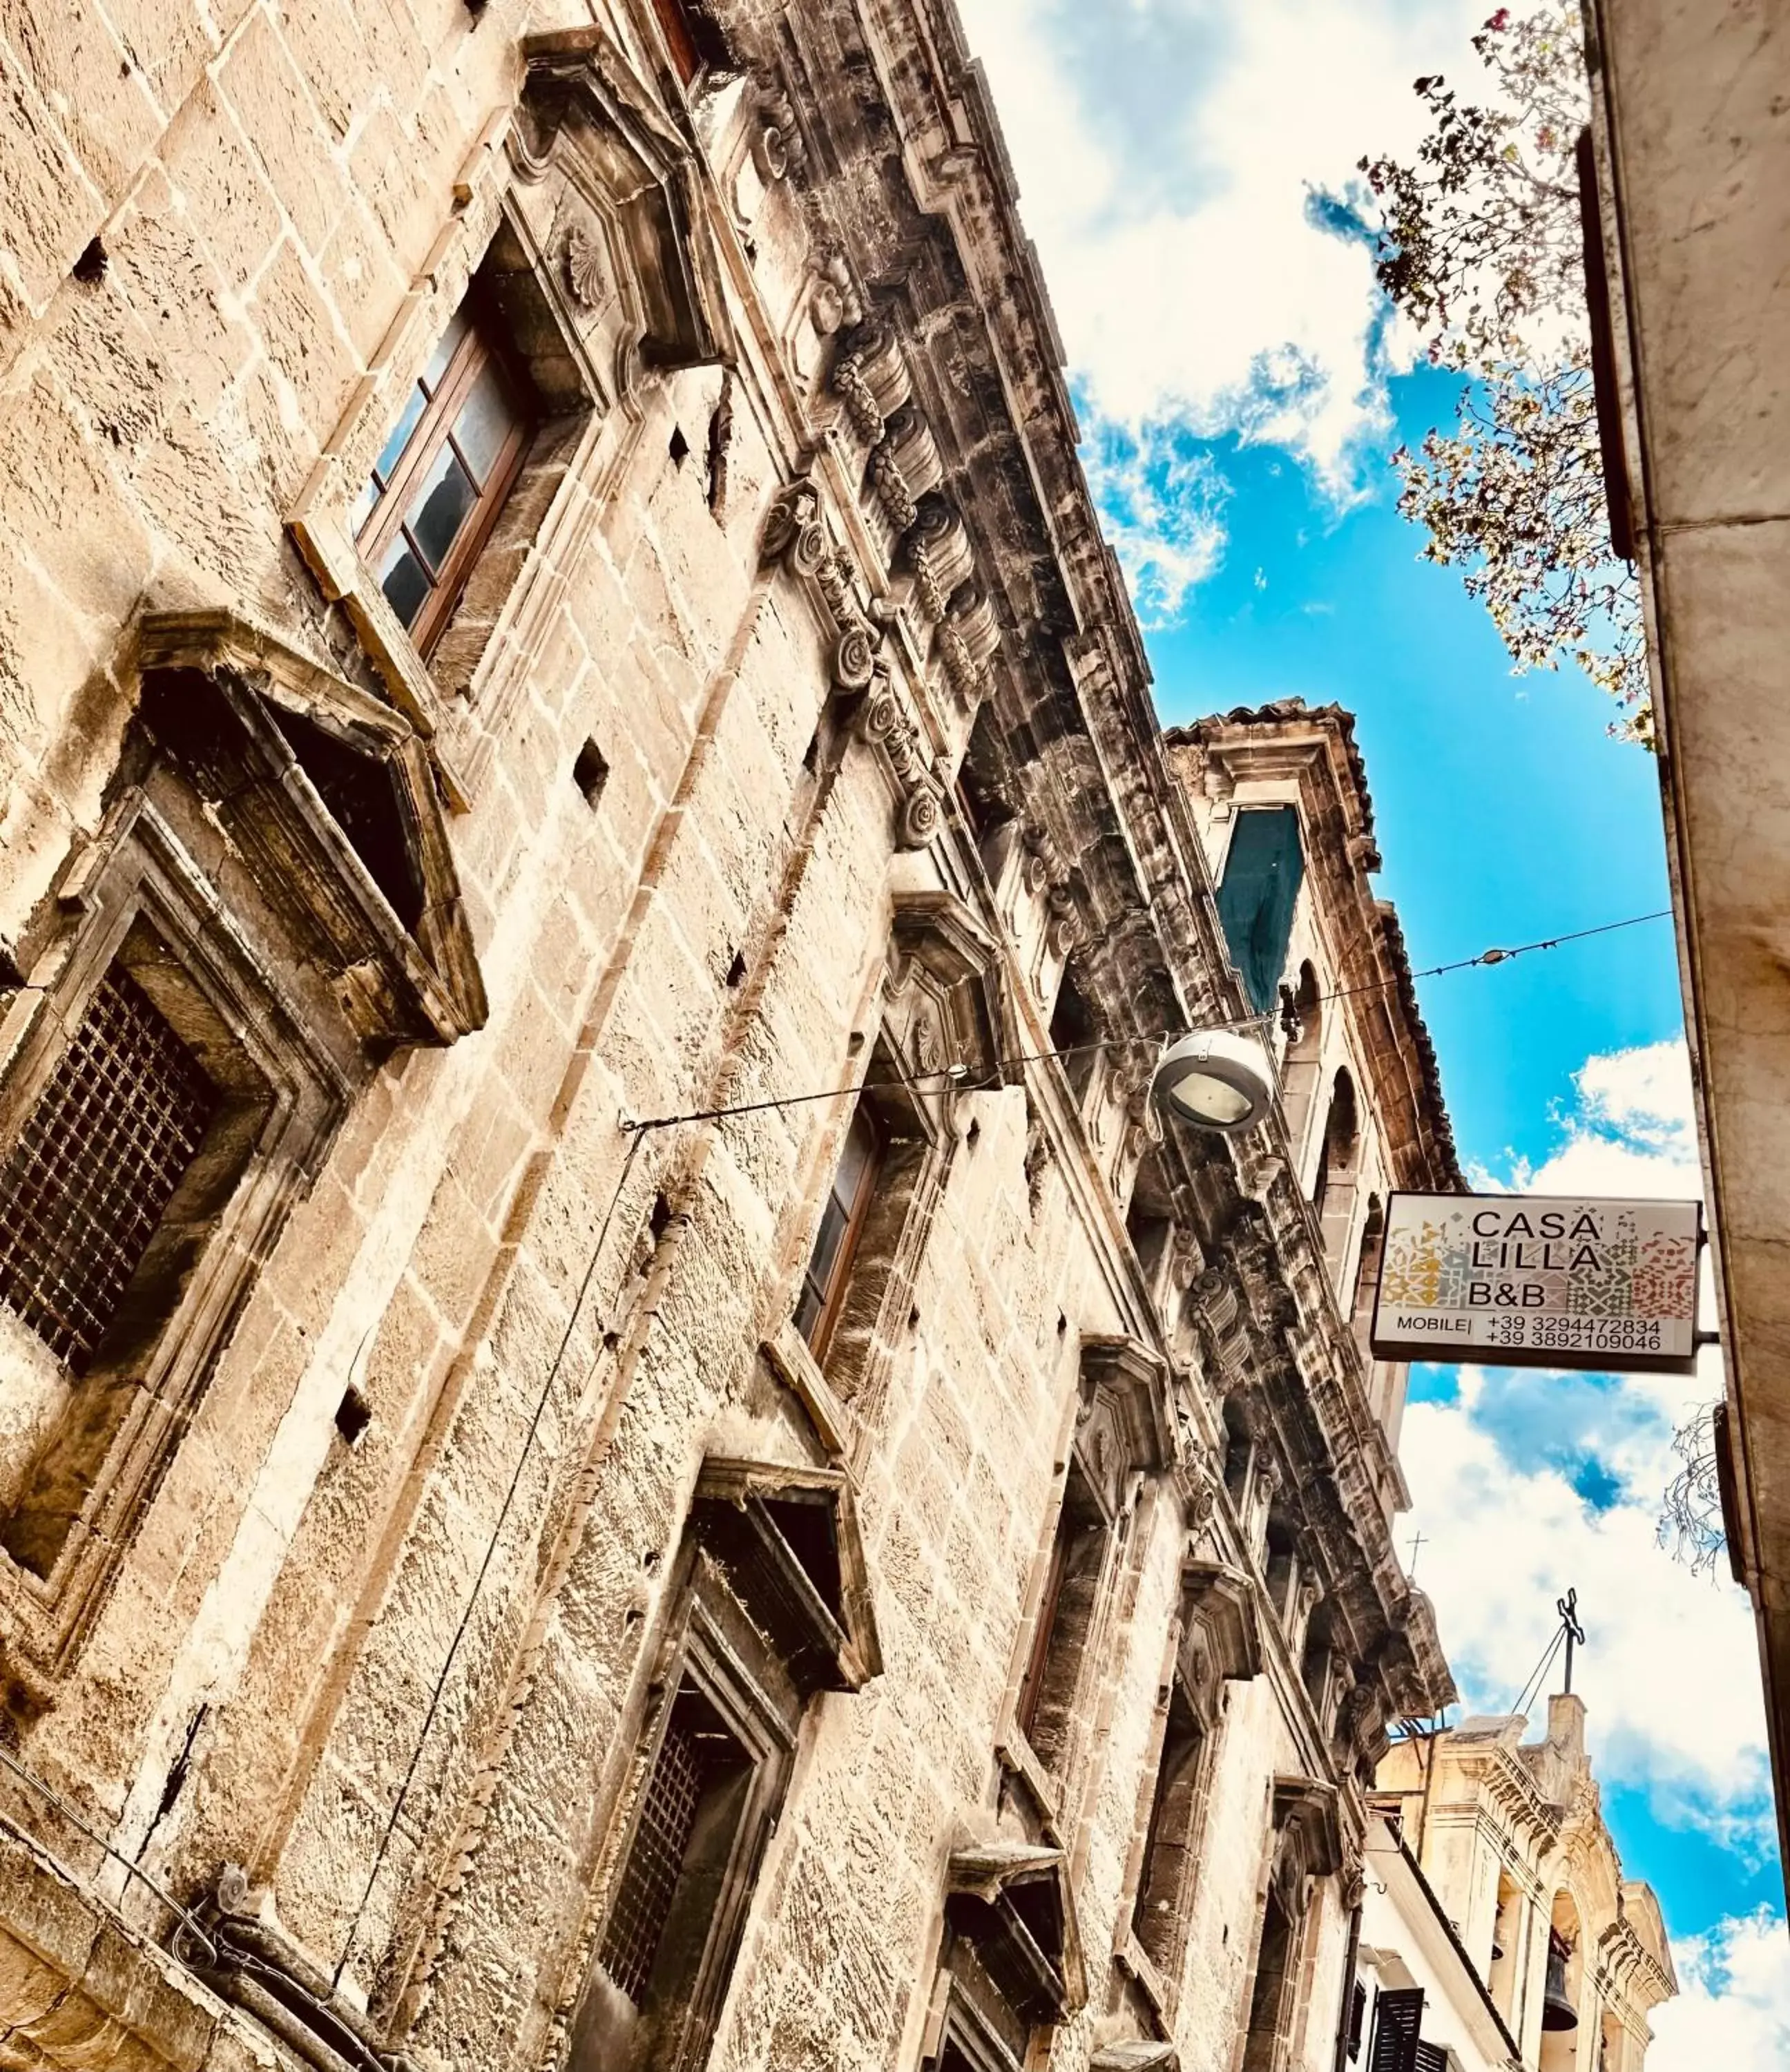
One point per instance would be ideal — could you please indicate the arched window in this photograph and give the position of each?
(1563, 1984)
(1507, 1929)
(1333, 1188)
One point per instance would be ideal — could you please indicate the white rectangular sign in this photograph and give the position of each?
(1539, 1280)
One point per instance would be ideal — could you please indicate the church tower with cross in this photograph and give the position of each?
(1497, 1928)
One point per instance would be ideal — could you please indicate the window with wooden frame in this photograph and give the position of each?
(843, 1218)
(1046, 1710)
(693, 38)
(428, 506)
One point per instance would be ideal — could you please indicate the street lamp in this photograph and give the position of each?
(1214, 1080)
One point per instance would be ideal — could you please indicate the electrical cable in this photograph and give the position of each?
(491, 1545)
(636, 1130)
(132, 1870)
(638, 1126)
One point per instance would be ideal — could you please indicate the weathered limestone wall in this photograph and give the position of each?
(401, 1678)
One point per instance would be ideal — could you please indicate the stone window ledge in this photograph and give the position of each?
(1017, 1757)
(1136, 1963)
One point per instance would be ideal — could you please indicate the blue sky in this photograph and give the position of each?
(1239, 389)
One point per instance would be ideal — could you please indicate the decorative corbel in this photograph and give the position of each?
(873, 379)
(882, 721)
(796, 534)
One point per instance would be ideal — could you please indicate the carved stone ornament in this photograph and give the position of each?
(1305, 1813)
(581, 106)
(883, 722)
(329, 795)
(1122, 1419)
(938, 547)
(1219, 1621)
(587, 276)
(873, 379)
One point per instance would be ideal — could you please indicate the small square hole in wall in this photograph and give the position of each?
(352, 1415)
(590, 772)
(679, 446)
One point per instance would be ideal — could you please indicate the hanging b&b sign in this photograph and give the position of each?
(1539, 1280)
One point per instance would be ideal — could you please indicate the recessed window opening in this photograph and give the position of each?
(842, 1220)
(693, 38)
(1269, 1993)
(1170, 1838)
(1047, 1708)
(125, 1162)
(671, 1885)
(357, 793)
(1073, 1035)
(1264, 870)
(100, 1158)
(978, 778)
(1342, 1141)
(435, 492)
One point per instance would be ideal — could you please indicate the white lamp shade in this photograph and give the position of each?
(1215, 1079)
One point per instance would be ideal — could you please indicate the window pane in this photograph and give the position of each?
(444, 351)
(404, 581)
(856, 1160)
(827, 1242)
(412, 410)
(485, 421)
(441, 508)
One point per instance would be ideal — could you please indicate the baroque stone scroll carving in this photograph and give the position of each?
(796, 534)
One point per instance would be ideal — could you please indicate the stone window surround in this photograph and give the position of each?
(705, 1658)
(963, 2041)
(1304, 1845)
(941, 1002)
(321, 519)
(594, 329)
(136, 876)
(750, 1629)
(1218, 1642)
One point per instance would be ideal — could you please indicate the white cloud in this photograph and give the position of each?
(1733, 2012)
(1162, 505)
(1633, 1132)
(1669, 1674)
(1166, 151)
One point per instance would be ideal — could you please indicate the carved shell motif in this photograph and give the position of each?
(586, 270)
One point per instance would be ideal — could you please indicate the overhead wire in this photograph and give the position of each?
(958, 1074)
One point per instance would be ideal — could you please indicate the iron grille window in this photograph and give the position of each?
(96, 1166)
(661, 1836)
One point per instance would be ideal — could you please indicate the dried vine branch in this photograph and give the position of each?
(1690, 1516)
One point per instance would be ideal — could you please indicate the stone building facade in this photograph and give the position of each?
(548, 592)
(1503, 1839)
(1686, 102)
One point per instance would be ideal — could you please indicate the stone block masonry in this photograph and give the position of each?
(460, 1451)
